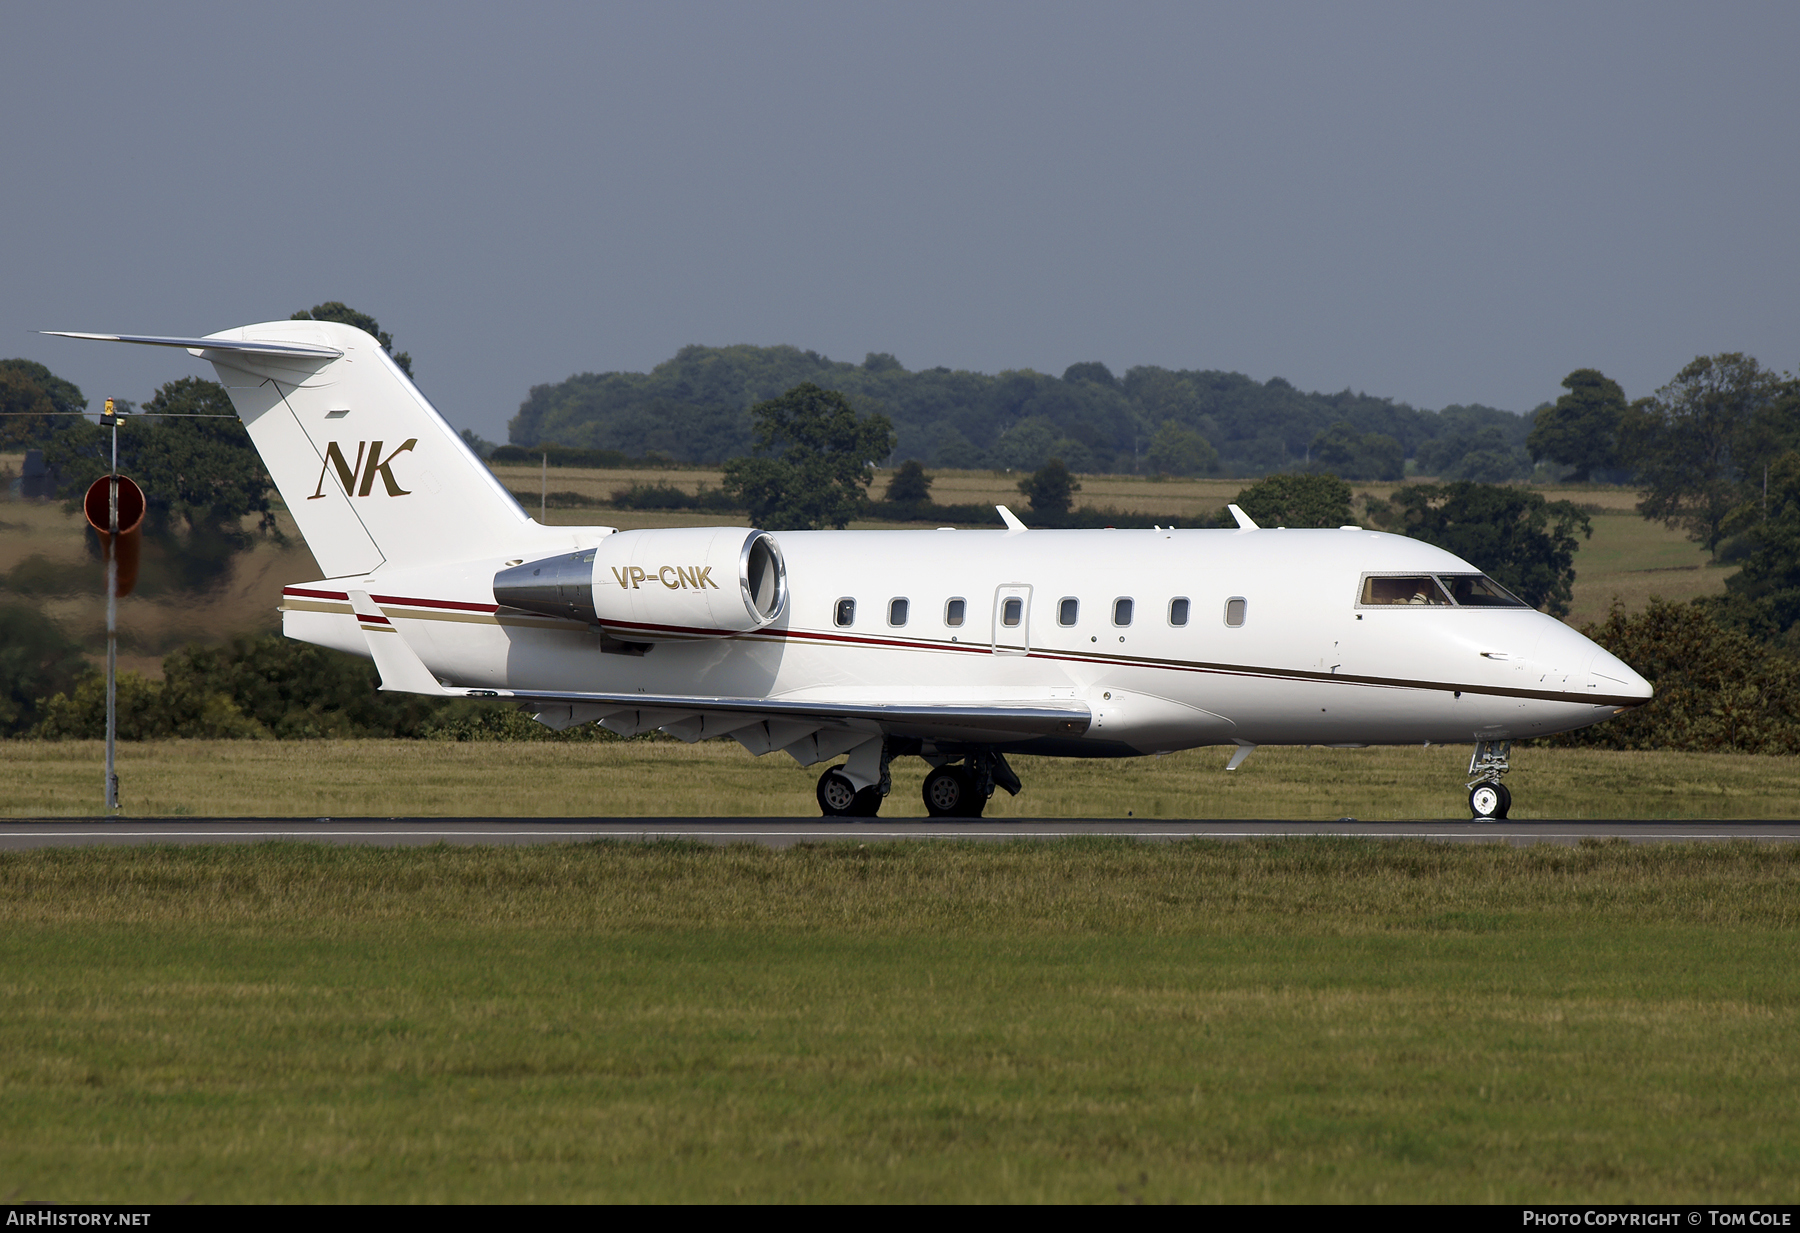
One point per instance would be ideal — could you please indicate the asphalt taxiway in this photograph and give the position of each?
(22, 833)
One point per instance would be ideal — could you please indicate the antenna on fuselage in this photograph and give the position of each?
(1244, 521)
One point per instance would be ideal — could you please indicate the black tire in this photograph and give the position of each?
(838, 797)
(1505, 802)
(1488, 801)
(950, 793)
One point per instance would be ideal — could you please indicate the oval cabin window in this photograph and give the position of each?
(1122, 611)
(846, 612)
(953, 612)
(1178, 612)
(1235, 607)
(897, 611)
(1010, 612)
(1067, 611)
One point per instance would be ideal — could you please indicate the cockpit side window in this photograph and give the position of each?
(1479, 591)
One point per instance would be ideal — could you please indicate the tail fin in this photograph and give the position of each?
(369, 470)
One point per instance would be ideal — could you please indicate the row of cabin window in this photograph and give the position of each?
(1068, 611)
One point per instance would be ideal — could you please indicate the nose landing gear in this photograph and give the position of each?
(1488, 798)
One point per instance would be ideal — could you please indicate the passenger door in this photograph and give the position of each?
(1012, 619)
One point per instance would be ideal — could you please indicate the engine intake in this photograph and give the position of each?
(657, 585)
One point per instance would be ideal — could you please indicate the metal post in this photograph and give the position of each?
(112, 618)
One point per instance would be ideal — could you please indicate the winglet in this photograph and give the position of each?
(1013, 525)
(401, 668)
(1244, 521)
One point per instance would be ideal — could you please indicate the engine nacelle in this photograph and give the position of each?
(656, 585)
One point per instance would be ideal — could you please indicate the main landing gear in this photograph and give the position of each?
(839, 798)
(1488, 798)
(953, 791)
(958, 789)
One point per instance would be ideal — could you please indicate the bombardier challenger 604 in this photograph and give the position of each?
(956, 646)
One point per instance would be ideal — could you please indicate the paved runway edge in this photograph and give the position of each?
(25, 833)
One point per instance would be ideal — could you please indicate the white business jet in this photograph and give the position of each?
(959, 647)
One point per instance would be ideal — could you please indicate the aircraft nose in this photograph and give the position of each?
(1607, 674)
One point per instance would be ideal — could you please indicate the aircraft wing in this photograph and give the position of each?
(994, 721)
(771, 723)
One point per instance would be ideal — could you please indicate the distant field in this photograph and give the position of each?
(717, 778)
(1627, 557)
(1086, 1021)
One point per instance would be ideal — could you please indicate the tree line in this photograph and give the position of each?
(696, 406)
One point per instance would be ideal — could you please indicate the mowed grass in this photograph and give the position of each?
(1088, 1021)
(719, 779)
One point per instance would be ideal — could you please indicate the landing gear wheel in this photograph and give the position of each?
(839, 798)
(950, 792)
(1489, 801)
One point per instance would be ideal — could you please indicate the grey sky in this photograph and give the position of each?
(1436, 203)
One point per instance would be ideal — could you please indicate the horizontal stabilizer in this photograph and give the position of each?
(293, 350)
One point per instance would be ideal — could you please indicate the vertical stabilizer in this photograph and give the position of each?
(369, 470)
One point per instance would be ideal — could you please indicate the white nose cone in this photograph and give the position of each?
(1608, 675)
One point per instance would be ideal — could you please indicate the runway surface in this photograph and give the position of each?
(22, 833)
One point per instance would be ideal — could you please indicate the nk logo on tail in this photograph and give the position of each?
(358, 480)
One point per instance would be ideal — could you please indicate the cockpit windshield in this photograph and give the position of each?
(1437, 591)
(1417, 589)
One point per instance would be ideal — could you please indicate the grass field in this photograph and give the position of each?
(1307, 1021)
(717, 778)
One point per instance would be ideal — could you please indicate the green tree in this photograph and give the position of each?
(197, 468)
(1051, 489)
(201, 478)
(1718, 690)
(1580, 429)
(37, 404)
(1294, 501)
(812, 468)
(1516, 537)
(1700, 444)
(37, 660)
(910, 485)
(1763, 597)
(1345, 452)
(1176, 450)
(1093, 371)
(343, 314)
